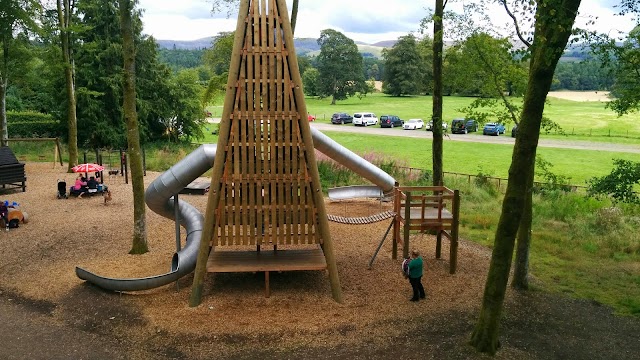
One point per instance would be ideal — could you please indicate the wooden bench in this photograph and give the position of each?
(276, 260)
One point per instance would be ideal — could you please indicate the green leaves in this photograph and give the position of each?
(619, 184)
(403, 66)
(340, 66)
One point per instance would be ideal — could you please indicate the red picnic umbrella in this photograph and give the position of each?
(87, 168)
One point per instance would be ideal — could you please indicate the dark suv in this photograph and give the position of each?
(463, 126)
(341, 118)
(390, 121)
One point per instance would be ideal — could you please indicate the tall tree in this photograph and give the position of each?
(139, 245)
(340, 66)
(402, 63)
(65, 10)
(436, 145)
(15, 16)
(554, 21)
(626, 57)
(99, 75)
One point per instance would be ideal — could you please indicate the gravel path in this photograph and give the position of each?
(48, 313)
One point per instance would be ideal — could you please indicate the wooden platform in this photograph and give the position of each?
(266, 260)
(198, 187)
(426, 208)
(430, 219)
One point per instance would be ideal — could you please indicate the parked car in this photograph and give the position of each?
(311, 118)
(365, 119)
(390, 121)
(430, 125)
(413, 124)
(493, 129)
(341, 118)
(463, 126)
(514, 131)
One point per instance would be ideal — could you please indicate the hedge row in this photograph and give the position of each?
(27, 117)
(33, 129)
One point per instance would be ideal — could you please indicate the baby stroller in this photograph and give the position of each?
(62, 189)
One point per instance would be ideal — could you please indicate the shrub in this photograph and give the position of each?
(31, 124)
(619, 183)
(552, 184)
(608, 218)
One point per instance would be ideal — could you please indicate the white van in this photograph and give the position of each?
(365, 119)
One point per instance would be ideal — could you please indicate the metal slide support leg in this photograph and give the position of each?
(381, 242)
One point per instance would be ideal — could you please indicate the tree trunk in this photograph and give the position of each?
(133, 135)
(294, 16)
(64, 18)
(4, 81)
(554, 22)
(436, 145)
(520, 280)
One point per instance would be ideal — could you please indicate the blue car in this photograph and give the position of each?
(493, 129)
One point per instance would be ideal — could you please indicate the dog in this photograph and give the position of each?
(107, 196)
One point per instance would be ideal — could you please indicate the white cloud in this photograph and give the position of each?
(362, 20)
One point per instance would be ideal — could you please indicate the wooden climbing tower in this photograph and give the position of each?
(265, 188)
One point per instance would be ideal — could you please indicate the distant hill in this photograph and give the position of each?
(198, 44)
(306, 46)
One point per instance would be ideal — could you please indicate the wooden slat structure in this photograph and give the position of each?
(426, 208)
(265, 187)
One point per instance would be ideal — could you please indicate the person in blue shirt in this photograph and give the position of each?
(415, 276)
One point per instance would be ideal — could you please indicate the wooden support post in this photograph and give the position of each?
(439, 244)
(267, 290)
(396, 222)
(453, 252)
(407, 225)
(218, 165)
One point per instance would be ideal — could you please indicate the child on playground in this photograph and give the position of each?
(80, 186)
(415, 276)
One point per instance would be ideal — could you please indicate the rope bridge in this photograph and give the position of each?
(363, 219)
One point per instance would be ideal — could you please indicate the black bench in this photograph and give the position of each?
(11, 170)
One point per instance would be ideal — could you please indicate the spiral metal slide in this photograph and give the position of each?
(159, 198)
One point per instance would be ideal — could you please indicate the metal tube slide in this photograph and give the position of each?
(159, 198)
(352, 161)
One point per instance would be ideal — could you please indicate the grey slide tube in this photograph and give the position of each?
(159, 198)
(352, 161)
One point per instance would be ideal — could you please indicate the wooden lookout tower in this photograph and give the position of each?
(265, 188)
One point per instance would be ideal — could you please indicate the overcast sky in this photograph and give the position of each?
(368, 21)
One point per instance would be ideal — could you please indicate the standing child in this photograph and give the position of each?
(415, 276)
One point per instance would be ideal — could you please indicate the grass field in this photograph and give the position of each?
(472, 158)
(492, 159)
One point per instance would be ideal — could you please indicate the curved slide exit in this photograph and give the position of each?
(159, 198)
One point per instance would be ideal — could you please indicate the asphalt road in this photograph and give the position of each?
(478, 137)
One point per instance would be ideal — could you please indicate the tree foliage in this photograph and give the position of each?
(626, 58)
(17, 20)
(402, 63)
(619, 184)
(340, 67)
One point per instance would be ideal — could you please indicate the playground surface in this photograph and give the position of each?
(44, 306)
